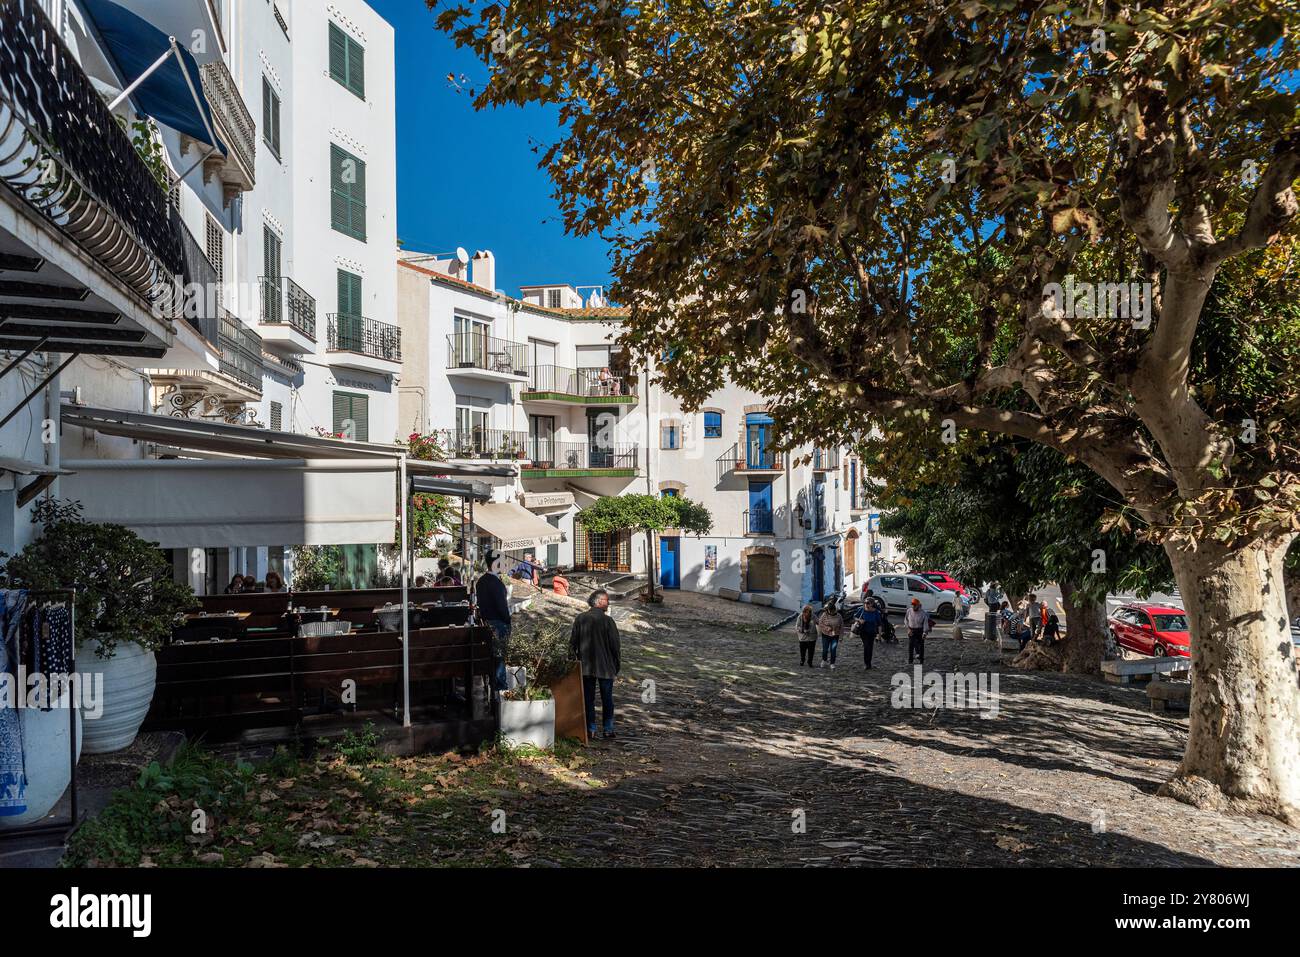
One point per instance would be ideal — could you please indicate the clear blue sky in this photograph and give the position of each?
(469, 178)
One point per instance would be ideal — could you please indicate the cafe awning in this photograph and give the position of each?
(515, 526)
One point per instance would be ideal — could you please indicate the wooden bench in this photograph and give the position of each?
(217, 687)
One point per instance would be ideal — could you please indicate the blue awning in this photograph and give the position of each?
(135, 45)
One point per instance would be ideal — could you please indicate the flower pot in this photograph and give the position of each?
(129, 678)
(45, 759)
(528, 722)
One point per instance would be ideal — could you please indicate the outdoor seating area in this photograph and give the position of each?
(267, 660)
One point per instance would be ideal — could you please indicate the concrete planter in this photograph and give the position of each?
(528, 722)
(129, 678)
(46, 759)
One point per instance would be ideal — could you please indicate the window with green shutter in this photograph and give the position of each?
(271, 118)
(347, 193)
(347, 61)
(352, 416)
(351, 335)
(277, 416)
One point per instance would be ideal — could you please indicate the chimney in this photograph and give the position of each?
(485, 270)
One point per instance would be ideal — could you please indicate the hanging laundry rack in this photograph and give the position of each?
(64, 826)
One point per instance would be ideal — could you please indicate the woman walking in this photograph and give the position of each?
(831, 626)
(806, 627)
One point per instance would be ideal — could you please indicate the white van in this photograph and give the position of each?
(897, 592)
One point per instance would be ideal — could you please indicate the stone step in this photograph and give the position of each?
(1124, 671)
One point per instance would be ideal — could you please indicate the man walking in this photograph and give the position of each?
(494, 611)
(918, 623)
(596, 644)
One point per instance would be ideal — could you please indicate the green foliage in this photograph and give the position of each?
(317, 567)
(544, 650)
(359, 747)
(124, 585)
(648, 513)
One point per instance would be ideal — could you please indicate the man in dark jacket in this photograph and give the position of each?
(595, 642)
(493, 605)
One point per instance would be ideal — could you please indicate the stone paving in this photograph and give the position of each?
(744, 758)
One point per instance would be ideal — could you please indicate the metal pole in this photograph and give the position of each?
(404, 499)
(143, 76)
(14, 365)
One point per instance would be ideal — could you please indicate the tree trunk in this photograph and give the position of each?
(1243, 743)
(1085, 643)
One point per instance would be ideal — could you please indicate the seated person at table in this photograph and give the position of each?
(250, 583)
(419, 581)
(236, 585)
(274, 582)
(446, 574)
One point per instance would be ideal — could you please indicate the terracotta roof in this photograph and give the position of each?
(573, 315)
(449, 280)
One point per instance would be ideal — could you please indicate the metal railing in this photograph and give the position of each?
(201, 311)
(551, 454)
(472, 350)
(349, 333)
(824, 460)
(282, 299)
(241, 351)
(754, 459)
(67, 157)
(758, 521)
(484, 443)
(285, 365)
(585, 383)
(231, 114)
(816, 519)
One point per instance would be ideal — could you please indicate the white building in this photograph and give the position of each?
(540, 381)
(280, 242)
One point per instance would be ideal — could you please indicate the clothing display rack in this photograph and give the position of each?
(66, 597)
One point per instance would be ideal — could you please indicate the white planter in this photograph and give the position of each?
(528, 722)
(516, 677)
(129, 679)
(46, 759)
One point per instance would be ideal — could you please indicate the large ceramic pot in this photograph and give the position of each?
(528, 722)
(46, 760)
(129, 678)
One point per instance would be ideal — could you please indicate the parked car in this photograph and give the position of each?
(897, 591)
(946, 581)
(1152, 629)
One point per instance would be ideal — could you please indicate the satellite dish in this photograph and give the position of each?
(462, 257)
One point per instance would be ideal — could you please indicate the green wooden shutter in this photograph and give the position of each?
(347, 193)
(271, 117)
(356, 68)
(351, 336)
(338, 55)
(270, 253)
(350, 406)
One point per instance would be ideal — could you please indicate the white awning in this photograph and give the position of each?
(515, 526)
(183, 503)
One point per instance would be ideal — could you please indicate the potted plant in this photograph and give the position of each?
(548, 705)
(126, 605)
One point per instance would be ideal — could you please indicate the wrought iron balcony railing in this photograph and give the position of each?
(758, 521)
(241, 352)
(235, 123)
(550, 454)
(472, 350)
(753, 459)
(65, 155)
(284, 300)
(484, 443)
(577, 382)
(349, 333)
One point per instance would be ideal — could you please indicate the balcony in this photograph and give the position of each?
(491, 444)
(477, 356)
(825, 460)
(235, 128)
(241, 352)
(756, 459)
(288, 316)
(559, 385)
(73, 172)
(548, 457)
(758, 521)
(356, 342)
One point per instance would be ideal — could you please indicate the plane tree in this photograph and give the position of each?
(779, 179)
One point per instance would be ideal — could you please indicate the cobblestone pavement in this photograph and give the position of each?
(739, 746)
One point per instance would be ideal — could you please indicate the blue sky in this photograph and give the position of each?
(468, 178)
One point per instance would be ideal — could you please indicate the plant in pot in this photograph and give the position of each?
(126, 605)
(534, 713)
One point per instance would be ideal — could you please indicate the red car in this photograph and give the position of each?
(1149, 629)
(945, 582)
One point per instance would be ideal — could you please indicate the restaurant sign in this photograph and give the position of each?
(548, 499)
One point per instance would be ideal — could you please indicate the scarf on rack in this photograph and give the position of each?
(13, 766)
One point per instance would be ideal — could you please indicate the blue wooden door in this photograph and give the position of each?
(819, 575)
(669, 564)
(760, 507)
(758, 431)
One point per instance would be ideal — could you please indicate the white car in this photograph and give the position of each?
(897, 591)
